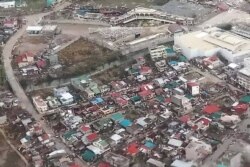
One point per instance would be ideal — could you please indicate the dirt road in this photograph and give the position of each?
(16, 87)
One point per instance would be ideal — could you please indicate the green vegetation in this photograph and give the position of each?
(35, 5)
(83, 57)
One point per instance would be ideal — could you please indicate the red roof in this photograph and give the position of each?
(184, 118)
(212, 108)
(145, 93)
(85, 128)
(133, 148)
(20, 58)
(145, 87)
(121, 101)
(104, 164)
(115, 94)
(145, 70)
(192, 84)
(91, 137)
(41, 63)
(168, 100)
(241, 108)
(204, 121)
(45, 136)
(93, 108)
(222, 6)
(74, 165)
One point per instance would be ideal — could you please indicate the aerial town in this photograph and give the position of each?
(105, 83)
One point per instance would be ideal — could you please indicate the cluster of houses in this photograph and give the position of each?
(8, 26)
(158, 118)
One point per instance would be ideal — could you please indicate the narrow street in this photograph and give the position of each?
(16, 87)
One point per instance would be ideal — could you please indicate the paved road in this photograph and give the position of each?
(16, 87)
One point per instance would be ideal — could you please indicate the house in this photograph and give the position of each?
(59, 91)
(117, 117)
(145, 70)
(121, 102)
(158, 53)
(146, 94)
(155, 163)
(133, 149)
(89, 93)
(116, 138)
(197, 150)
(85, 129)
(40, 105)
(141, 121)
(90, 138)
(159, 82)
(211, 108)
(183, 102)
(25, 59)
(8, 4)
(136, 100)
(66, 98)
(53, 102)
(10, 23)
(104, 88)
(193, 88)
(41, 63)
(34, 30)
(49, 29)
(44, 138)
(101, 144)
(212, 62)
(116, 160)
(201, 123)
(140, 60)
(180, 163)
(161, 65)
(175, 142)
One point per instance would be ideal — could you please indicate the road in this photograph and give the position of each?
(16, 87)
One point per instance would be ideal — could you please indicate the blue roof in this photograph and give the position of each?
(117, 117)
(125, 123)
(170, 50)
(97, 100)
(173, 62)
(149, 144)
(88, 156)
(221, 165)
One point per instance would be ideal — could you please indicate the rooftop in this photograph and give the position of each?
(213, 38)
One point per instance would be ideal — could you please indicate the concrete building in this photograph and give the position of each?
(34, 30)
(158, 53)
(141, 13)
(243, 75)
(196, 150)
(7, 4)
(40, 105)
(66, 98)
(212, 41)
(193, 88)
(116, 160)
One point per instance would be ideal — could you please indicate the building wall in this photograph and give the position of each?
(10, 4)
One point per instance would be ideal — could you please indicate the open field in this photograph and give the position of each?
(83, 57)
(8, 158)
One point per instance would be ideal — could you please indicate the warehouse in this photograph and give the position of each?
(212, 41)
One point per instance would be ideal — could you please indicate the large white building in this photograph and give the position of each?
(7, 3)
(243, 75)
(211, 41)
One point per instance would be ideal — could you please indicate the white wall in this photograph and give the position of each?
(10, 4)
